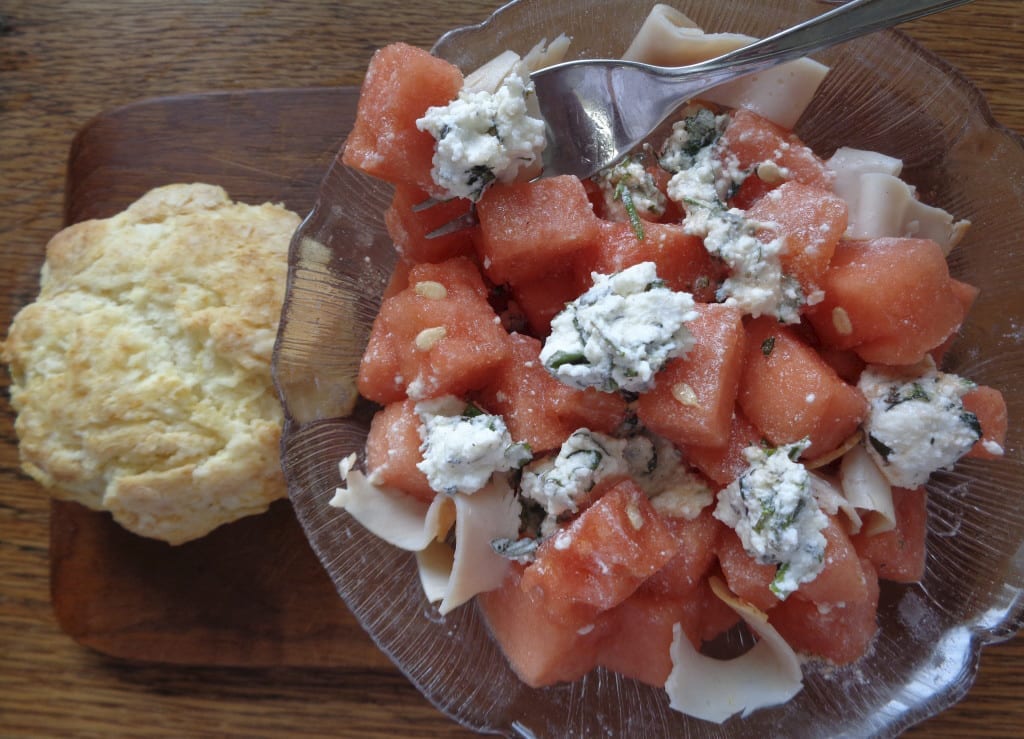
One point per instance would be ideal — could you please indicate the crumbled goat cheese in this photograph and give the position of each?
(756, 283)
(917, 425)
(463, 446)
(774, 512)
(620, 332)
(483, 137)
(658, 468)
(993, 447)
(585, 458)
(689, 136)
(628, 185)
(558, 483)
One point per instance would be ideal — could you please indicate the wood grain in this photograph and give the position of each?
(61, 63)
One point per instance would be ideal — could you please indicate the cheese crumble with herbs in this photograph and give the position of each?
(630, 193)
(917, 425)
(774, 513)
(483, 137)
(463, 446)
(584, 459)
(620, 332)
(558, 483)
(702, 182)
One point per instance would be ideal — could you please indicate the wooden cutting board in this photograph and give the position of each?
(251, 593)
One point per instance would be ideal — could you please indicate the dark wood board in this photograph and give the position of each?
(252, 593)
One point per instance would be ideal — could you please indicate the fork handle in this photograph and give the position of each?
(848, 21)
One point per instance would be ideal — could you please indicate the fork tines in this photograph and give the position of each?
(457, 224)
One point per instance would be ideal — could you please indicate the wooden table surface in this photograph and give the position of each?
(64, 61)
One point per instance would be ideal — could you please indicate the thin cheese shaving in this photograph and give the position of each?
(881, 204)
(435, 567)
(713, 690)
(390, 514)
(865, 487)
(831, 500)
(781, 94)
(407, 523)
(490, 76)
(489, 514)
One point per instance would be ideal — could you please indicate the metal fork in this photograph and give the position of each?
(597, 110)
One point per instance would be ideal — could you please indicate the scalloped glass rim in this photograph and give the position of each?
(926, 655)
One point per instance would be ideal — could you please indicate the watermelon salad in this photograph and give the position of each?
(699, 391)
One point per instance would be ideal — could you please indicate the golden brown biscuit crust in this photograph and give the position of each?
(141, 373)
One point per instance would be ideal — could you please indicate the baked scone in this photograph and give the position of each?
(141, 373)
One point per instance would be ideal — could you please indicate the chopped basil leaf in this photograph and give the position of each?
(681, 149)
(622, 193)
(472, 411)
(593, 455)
(970, 420)
(479, 178)
(780, 576)
(896, 395)
(560, 358)
(768, 345)
(883, 450)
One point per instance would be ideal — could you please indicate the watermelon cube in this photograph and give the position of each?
(533, 228)
(393, 450)
(541, 650)
(725, 464)
(603, 556)
(692, 401)
(899, 554)
(540, 410)
(840, 633)
(436, 337)
(989, 406)
(790, 393)
(681, 259)
(753, 140)
(891, 300)
(401, 82)
(810, 221)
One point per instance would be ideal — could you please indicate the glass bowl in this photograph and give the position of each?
(885, 93)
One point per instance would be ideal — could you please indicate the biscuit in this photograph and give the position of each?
(141, 373)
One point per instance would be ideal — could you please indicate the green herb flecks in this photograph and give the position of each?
(589, 458)
(561, 358)
(766, 517)
(971, 421)
(767, 346)
(689, 137)
(479, 177)
(776, 584)
(897, 394)
(623, 194)
(884, 451)
(701, 130)
(472, 411)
